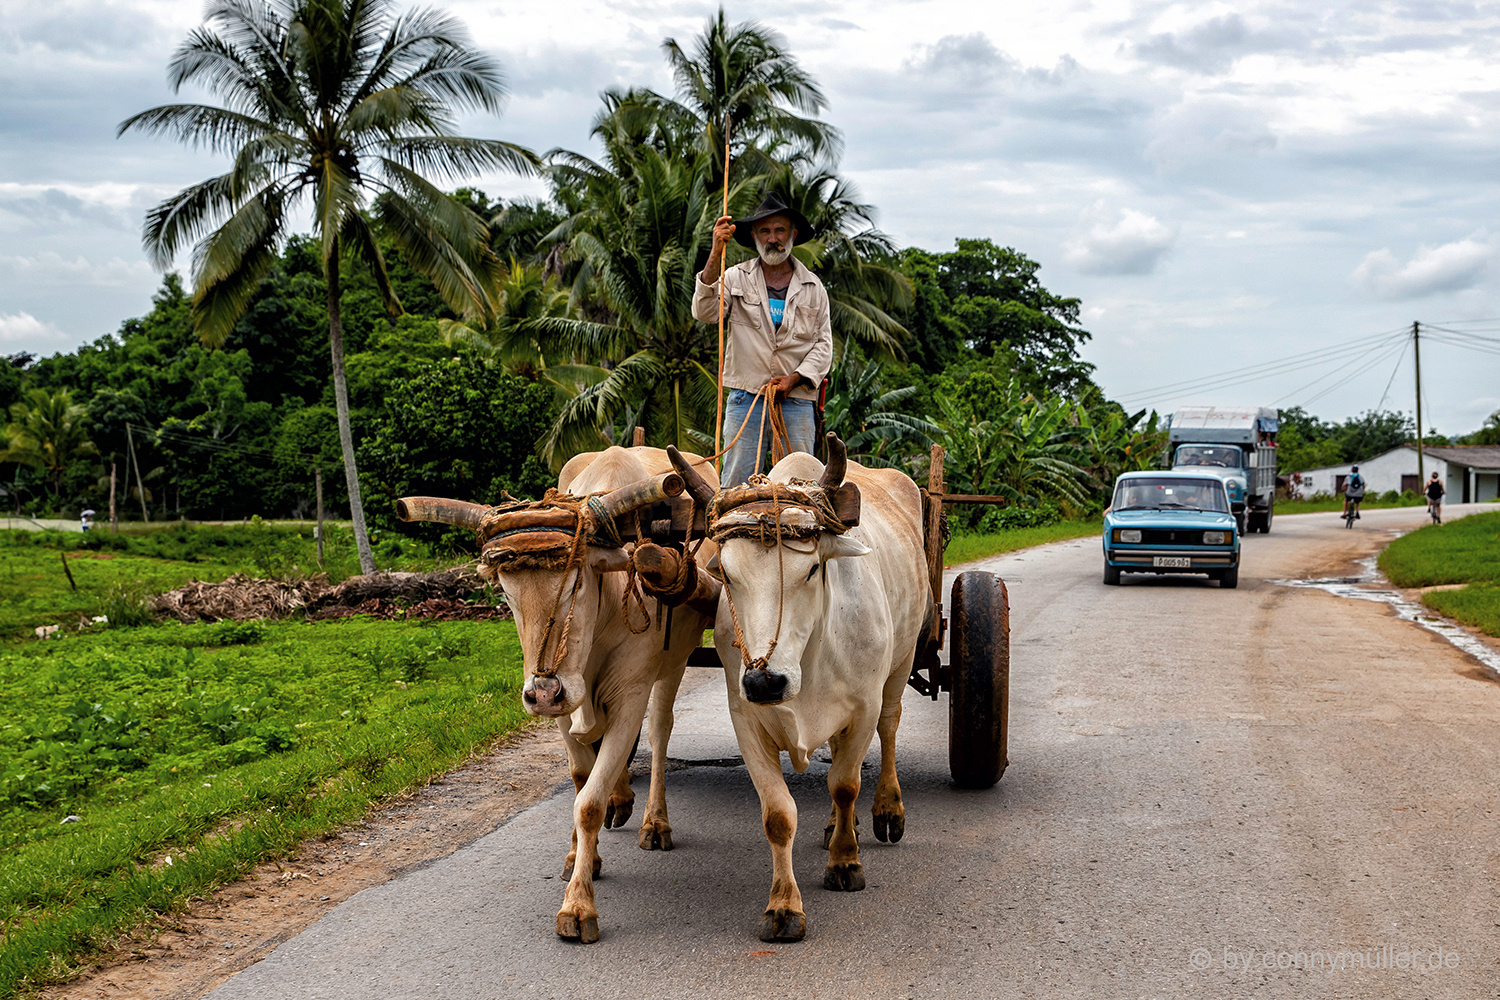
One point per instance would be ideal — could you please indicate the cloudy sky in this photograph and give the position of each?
(1223, 186)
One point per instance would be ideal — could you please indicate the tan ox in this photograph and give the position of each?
(597, 686)
(827, 625)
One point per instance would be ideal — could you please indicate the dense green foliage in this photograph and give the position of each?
(1477, 605)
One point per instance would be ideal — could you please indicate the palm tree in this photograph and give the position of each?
(47, 431)
(339, 106)
(743, 72)
(640, 236)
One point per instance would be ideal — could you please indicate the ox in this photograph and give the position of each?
(817, 629)
(588, 666)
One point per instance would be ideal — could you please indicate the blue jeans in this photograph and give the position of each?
(741, 460)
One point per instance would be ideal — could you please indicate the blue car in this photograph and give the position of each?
(1171, 522)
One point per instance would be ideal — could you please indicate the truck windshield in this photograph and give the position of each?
(1201, 454)
(1170, 494)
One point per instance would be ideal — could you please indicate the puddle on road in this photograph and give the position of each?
(1359, 588)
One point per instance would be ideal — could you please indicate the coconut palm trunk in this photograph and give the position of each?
(341, 405)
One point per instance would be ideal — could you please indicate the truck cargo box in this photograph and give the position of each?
(1223, 425)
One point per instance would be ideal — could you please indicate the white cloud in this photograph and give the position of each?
(24, 329)
(1123, 242)
(51, 268)
(1448, 268)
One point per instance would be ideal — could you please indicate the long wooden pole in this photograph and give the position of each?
(719, 409)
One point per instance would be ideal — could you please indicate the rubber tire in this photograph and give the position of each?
(1265, 524)
(978, 679)
(1242, 523)
(1111, 575)
(1229, 578)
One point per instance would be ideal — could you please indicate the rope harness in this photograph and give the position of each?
(760, 508)
(554, 533)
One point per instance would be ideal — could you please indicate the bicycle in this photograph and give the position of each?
(1435, 511)
(1351, 513)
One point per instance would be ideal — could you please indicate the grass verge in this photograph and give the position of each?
(967, 548)
(153, 765)
(1463, 551)
(1466, 550)
(1477, 605)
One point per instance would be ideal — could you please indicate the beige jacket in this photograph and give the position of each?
(754, 351)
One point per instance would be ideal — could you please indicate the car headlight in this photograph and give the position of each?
(1128, 535)
(1214, 538)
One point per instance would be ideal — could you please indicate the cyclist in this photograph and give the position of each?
(1435, 493)
(1354, 492)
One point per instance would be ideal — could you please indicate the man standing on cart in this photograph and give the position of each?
(779, 336)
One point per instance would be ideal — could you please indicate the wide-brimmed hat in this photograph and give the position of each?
(772, 205)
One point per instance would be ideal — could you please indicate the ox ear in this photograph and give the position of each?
(843, 545)
(608, 560)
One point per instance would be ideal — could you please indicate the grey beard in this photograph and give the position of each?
(773, 257)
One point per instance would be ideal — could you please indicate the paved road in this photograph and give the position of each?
(1209, 791)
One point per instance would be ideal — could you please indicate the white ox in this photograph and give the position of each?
(598, 687)
(834, 619)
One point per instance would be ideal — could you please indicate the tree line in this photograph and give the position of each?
(430, 340)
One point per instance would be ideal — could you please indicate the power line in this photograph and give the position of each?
(1373, 362)
(1281, 366)
(1392, 380)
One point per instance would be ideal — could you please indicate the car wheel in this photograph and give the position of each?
(1111, 575)
(1229, 578)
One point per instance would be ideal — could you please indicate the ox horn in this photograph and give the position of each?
(838, 460)
(441, 510)
(642, 494)
(697, 486)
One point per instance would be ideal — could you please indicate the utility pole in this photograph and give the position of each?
(1416, 351)
(140, 486)
(114, 517)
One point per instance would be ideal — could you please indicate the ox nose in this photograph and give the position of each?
(544, 694)
(762, 686)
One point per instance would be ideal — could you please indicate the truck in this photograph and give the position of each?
(1237, 445)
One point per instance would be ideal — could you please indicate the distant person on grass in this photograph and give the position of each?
(778, 336)
(1435, 493)
(1354, 492)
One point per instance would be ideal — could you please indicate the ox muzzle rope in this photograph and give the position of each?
(766, 503)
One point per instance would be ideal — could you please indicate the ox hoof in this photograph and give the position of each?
(656, 837)
(889, 828)
(844, 878)
(783, 925)
(615, 814)
(572, 928)
(568, 868)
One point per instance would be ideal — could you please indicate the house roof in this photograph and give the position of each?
(1481, 456)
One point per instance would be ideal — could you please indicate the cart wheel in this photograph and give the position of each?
(979, 680)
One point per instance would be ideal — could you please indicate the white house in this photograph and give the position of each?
(1470, 473)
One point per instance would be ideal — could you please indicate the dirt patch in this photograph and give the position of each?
(186, 955)
(441, 595)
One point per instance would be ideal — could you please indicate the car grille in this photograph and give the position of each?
(1158, 536)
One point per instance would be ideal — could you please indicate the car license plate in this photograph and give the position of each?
(1172, 562)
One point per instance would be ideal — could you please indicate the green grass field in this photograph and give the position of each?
(1463, 551)
(967, 548)
(219, 746)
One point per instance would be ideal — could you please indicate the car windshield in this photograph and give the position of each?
(1170, 494)
(1216, 455)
